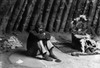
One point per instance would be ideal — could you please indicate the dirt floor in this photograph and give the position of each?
(4, 56)
(64, 46)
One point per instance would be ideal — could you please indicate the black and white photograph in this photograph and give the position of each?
(49, 33)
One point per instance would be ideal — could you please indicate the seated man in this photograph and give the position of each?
(82, 31)
(39, 40)
(86, 42)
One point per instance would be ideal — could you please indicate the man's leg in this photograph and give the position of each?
(49, 45)
(93, 42)
(83, 45)
(43, 51)
(41, 47)
(50, 48)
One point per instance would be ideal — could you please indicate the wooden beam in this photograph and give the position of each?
(79, 11)
(53, 15)
(28, 14)
(37, 13)
(14, 15)
(47, 12)
(92, 11)
(68, 15)
(59, 15)
(19, 18)
(96, 17)
(8, 7)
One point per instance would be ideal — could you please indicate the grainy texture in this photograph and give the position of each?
(6, 8)
(14, 15)
(39, 7)
(53, 15)
(56, 15)
(28, 14)
(92, 11)
(47, 12)
(19, 18)
(59, 15)
(95, 21)
(66, 14)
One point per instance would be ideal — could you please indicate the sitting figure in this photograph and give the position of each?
(83, 32)
(39, 41)
(87, 43)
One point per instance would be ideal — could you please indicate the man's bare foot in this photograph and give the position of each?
(57, 60)
(46, 57)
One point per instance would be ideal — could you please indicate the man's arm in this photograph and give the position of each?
(80, 36)
(48, 36)
(38, 35)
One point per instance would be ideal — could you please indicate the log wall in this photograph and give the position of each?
(23, 15)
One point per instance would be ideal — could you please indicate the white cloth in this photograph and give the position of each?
(45, 48)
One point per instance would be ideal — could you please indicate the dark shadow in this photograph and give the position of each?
(25, 53)
(67, 46)
(21, 52)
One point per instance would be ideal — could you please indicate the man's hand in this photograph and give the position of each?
(47, 36)
(44, 33)
(80, 36)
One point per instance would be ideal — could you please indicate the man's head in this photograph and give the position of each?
(40, 28)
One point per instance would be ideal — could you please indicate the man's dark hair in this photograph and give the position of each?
(39, 26)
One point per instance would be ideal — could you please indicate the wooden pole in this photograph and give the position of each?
(47, 12)
(79, 11)
(53, 15)
(8, 15)
(96, 21)
(14, 15)
(28, 14)
(98, 26)
(6, 8)
(80, 7)
(67, 11)
(75, 14)
(39, 21)
(18, 20)
(59, 15)
(37, 13)
(93, 11)
(88, 8)
(94, 24)
(68, 14)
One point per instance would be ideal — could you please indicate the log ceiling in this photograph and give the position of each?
(24, 15)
